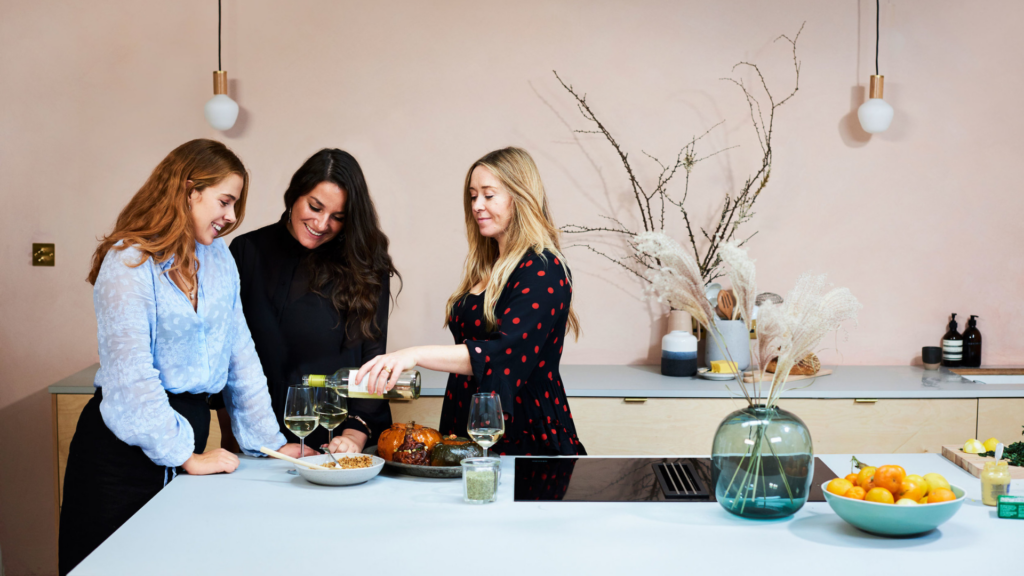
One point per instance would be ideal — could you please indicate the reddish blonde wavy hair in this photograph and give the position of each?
(158, 221)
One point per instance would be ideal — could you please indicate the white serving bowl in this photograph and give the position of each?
(336, 477)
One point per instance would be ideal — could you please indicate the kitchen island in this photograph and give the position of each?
(622, 410)
(261, 520)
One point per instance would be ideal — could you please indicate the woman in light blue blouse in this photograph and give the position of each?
(171, 332)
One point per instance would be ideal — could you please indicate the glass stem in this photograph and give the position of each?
(330, 435)
(302, 446)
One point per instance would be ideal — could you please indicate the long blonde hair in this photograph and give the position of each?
(157, 219)
(530, 228)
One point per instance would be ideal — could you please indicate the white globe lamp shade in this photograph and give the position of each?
(876, 114)
(221, 111)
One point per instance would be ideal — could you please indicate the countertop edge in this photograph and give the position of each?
(907, 378)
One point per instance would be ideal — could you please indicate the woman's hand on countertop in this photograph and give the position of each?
(295, 451)
(213, 462)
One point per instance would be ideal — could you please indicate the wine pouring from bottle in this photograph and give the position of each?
(407, 388)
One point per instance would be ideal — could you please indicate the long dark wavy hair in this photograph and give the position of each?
(347, 270)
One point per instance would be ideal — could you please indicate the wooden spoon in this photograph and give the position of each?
(726, 303)
(275, 454)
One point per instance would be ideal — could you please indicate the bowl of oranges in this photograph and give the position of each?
(888, 501)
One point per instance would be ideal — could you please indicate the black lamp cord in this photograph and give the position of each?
(877, 21)
(218, 39)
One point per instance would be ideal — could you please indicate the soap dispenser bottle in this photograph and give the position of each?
(952, 346)
(972, 344)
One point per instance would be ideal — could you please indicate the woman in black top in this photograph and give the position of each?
(509, 315)
(315, 288)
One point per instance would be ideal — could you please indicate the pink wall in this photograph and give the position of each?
(918, 222)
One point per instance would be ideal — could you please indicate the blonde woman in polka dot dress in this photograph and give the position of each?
(509, 315)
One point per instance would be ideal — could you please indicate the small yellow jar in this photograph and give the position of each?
(995, 481)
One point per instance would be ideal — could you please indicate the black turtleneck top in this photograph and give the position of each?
(299, 332)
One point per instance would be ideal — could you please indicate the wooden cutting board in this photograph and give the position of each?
(974, 464)
(748, 377)
(988, 371)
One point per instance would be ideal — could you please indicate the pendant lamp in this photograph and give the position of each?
(875, 115)
(221, 111)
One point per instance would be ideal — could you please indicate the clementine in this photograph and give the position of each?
(839, 486)
(852, 479)
(941, 495)
(880, 495)
(857, 493)
(890, 477)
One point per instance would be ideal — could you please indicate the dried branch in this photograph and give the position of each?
(736, 210)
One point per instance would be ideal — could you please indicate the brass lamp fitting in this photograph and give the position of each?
(877, 82)
(220, 82)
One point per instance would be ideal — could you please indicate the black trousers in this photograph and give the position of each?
(107, 481)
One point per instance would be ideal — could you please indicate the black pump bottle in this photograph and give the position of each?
(952, 346)
(972, 344)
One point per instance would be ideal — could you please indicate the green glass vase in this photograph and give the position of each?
(762, 463)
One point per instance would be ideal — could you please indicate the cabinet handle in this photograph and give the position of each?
(634, 400)
(866, 400)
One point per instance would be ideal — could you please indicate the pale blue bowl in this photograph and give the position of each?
(892, 520)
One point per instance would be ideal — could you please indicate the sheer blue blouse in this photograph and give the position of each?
(151, 340)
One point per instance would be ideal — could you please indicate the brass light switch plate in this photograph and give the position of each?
(42, 254)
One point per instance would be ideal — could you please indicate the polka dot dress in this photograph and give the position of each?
(519, 361)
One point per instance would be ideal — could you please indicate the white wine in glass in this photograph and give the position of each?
(486, 420)
(331, 408)
(299, 414)
(301, 426)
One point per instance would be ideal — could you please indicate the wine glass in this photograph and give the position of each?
(299, 414)
(486, 420)
(331, 409)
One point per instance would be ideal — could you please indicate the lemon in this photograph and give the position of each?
(972, 446)
(927, 487)
(936, 481)
(990, 444)
(906, 502)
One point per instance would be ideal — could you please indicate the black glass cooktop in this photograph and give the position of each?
(608, 479)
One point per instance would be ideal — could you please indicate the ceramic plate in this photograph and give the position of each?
(714, 376)
(421, 471)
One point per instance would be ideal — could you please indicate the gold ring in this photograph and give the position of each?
(386, 368)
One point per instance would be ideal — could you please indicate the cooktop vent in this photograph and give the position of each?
(679, 480)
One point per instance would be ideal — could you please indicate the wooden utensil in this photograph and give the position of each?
(726, 304)
(274, 454)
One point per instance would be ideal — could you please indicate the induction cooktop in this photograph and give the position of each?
(610, 479)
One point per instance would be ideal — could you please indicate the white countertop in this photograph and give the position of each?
(647, 382)
(260, 520)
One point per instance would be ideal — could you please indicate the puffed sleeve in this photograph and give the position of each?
(536, 294)
(376, 413)
(245, 395)
(135, 406)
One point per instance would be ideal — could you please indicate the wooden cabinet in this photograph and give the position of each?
(1002, 418)
(686, 426)
(885, 426)
(425, 411)
(66, 409)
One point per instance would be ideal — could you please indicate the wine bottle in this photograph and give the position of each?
(408, 387)
(952, 346)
